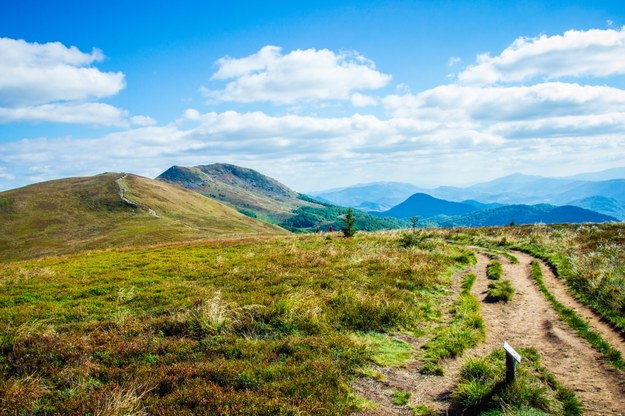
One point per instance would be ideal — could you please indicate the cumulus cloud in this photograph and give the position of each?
(507, 103)
(300, 75)
(50, 82)
(590, 53)
(34, 73)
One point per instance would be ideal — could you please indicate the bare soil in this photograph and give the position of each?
(526, 321)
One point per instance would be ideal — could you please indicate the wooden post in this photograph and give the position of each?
(512, 358)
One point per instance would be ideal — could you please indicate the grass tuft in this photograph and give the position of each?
(481, 388)
(400, 398)
(501, 290)
(494, 270)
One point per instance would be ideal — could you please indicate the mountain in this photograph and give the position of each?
(614, 188)
(111, 210)
(377, 196)
(604, 175)
(531, 190)
(604, 205)
(262, 197)
(511, 189)
(244, 189)
(522, 214)
(424, 206)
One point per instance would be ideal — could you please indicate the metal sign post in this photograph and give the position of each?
(512, 358)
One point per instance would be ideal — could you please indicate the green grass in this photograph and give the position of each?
(400, 398)
(386, 351)
(262, 326)
(423, 410)
(494, 270)
(500, 290)
(578, 324)
(465, 330)
(481, 388)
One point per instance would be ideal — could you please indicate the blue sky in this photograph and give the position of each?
(317, 94)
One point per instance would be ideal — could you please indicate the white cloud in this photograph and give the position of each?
(191, 114)
(594, 53)
(300, 75)
(142, 121)
(455, 103)
(34, 73)
(50, 82)
(81, 113)
(362, 100)
(311, 152)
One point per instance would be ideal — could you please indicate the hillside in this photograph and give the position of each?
(605, 205)
(523, 214)
(262, 197)
(74, 214)
(242, 188)
(424, 206)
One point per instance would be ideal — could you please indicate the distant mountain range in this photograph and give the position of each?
(377, 196)
(220, 200)
(603, 192)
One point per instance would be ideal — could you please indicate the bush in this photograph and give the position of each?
(349, 228)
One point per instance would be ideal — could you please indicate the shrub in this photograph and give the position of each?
(349, 227)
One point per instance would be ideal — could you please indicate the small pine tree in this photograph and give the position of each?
(414, 221)
(349, 227)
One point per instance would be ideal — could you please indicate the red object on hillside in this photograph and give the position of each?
(331, 228)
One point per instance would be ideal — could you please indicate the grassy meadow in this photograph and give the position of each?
(275, 325)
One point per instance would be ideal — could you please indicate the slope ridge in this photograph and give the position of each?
(111, 210)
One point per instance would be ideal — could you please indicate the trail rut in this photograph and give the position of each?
(527, 321)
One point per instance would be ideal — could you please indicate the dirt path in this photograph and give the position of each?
(558, 289)
(527, 321)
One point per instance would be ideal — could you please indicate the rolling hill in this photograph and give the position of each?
(111, 210)
(262, 197)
